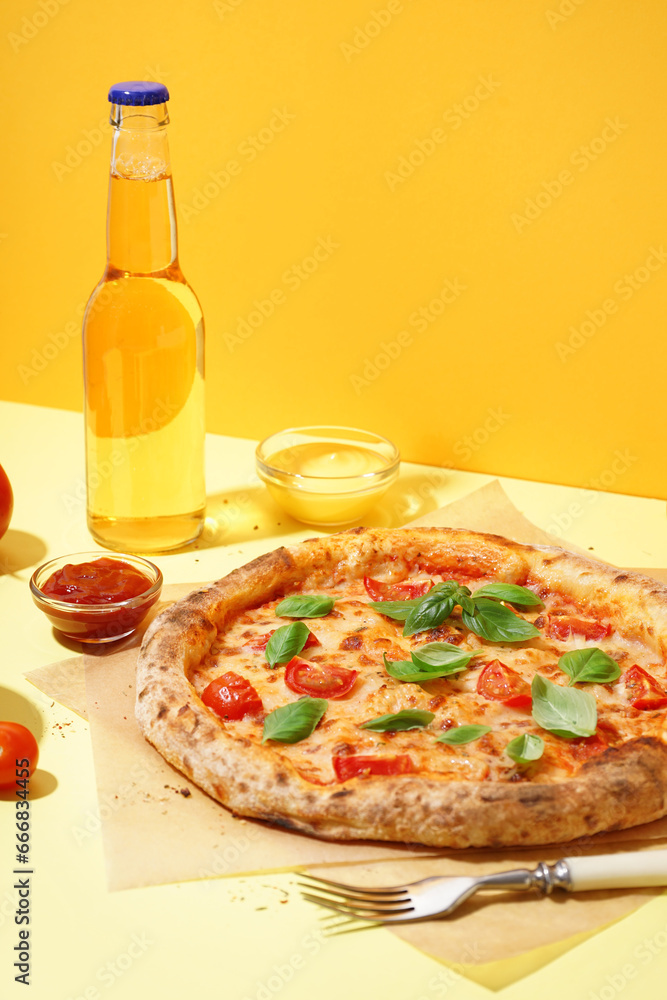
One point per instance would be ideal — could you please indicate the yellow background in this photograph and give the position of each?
(550, 109)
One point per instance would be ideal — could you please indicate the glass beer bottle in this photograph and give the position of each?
(143, 349)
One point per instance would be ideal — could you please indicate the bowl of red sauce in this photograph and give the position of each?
(96, 597)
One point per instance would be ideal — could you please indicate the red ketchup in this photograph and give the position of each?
(92, 585)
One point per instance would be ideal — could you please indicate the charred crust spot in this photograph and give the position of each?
(352, 642)
(183, 709)
(142, 693)
(281, 778)
(287, 824)
(242, 787)
(342, 793)
(536, 795)
(162, 711)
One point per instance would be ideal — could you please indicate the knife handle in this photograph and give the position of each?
(617, 871)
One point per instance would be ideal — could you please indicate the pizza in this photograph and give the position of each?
(423, 685)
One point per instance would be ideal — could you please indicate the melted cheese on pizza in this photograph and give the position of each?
(355, 636)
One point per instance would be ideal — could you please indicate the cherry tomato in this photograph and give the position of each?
(363, 766)
(588, 746)
(379, 591)
(563, 626)
(318, 679)
(498, 682)
(232, 697)
(6, 502)
(260, 642)
(16, 744)
(643, 690)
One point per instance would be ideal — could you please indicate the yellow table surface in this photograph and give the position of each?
(249, 938)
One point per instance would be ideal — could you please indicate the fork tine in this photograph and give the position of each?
(358, 901)
(361, 912)
(355, 891)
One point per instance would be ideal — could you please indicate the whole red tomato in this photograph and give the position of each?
(16, 744)
(6, 502)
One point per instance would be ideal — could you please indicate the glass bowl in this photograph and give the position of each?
(327, 476)
(106, 621)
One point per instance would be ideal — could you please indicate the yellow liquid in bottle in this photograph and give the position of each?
(144, 377)
(337, 493)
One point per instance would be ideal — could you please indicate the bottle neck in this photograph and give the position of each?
(141, 220)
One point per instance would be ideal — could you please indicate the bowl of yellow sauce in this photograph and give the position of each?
(327, 476)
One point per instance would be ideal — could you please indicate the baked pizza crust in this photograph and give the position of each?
(619, 788)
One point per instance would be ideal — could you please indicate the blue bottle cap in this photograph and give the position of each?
(138, 92)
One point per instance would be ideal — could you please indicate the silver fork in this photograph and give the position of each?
(440, 895)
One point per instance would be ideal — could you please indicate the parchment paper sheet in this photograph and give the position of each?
(158, 827)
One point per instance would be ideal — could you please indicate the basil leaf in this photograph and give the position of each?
(439, 654)
(430, 612)
(286, 642)
(305, 606)
(408, 718)
(590, 664)
(467, 603)
(526, 748)
(509, 592)
(295, 721)
(463, 734)
(395, 609)
(419, 673)
(460, 594)
(497, 623)
(565, 711)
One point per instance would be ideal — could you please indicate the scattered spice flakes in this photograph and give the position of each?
(61, 726)
(185, 792)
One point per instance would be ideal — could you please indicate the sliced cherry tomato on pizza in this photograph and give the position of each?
(588, 746)
(17, 744)
(260, 642)
(564, 626)
(319, 679)
(232, 697)
(643, 690)
(498, 682)
(362, 766)
(379, 591)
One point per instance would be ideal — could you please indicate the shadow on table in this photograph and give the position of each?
(19, 549)
(41, 784)
(412, 496)
(241, 515)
